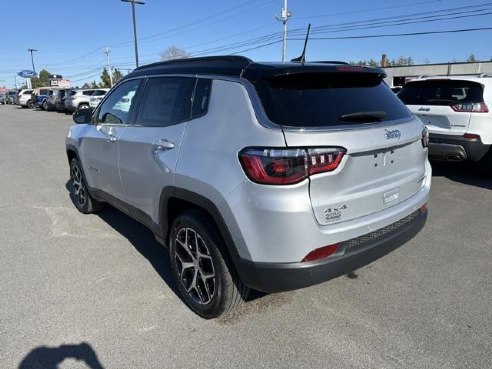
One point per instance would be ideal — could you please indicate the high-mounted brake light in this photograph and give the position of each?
(349, 68)
(288, 166)
(479, 107)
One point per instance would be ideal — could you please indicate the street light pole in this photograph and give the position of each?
(32, 59)
(133, 2)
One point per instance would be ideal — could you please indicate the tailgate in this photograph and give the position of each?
(442, 119)
(384, 165)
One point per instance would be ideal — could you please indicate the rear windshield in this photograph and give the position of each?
(328, 99)
(441, 92)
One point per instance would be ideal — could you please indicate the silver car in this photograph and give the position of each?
(261, 176)
(78, 99)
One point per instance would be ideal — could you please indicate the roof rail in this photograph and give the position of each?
(231, 60)
(484, 75)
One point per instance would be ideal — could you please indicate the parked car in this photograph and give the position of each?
(97, 96)
(10, 97)
(24, 98)
(55, 99)
(40, 96)
(396, 89)
(456, 111)
(60, 100)
(2, 97)
(78, 99)
(249, 176)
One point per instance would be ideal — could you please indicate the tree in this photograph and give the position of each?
(42, 80)
(94, 84)
(471, 59)
(401, 61)
(105, 79)
(370, 62)
(117, 75)
(174, 52)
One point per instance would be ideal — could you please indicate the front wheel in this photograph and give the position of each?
(82, 200)
(206, 280)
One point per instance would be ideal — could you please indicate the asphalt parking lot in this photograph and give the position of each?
(94, 291)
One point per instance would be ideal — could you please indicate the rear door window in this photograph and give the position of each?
(441, 92)
(329, 99)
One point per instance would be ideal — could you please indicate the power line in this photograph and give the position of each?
(400, 34)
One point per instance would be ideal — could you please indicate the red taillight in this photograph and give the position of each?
(479, 107)
(321, 253)
(288, 166)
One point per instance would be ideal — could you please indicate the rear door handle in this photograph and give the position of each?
(163, 145)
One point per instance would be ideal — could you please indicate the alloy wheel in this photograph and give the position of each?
(78, 185)
(194, 266)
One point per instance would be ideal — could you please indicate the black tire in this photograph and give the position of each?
(209, 284)
(84, 106)
(30, 104)
(44, 106)
(81, 198)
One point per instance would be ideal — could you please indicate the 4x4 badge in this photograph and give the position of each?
(392, 135)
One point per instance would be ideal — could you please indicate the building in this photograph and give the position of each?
(398, 76)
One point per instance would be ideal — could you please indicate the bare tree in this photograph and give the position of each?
(174, 52)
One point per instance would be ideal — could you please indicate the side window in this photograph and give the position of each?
(116, 108)
(201, 98)
(166, 101)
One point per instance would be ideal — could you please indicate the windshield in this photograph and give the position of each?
(329, 99)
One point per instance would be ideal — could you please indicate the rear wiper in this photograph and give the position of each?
(364, 116)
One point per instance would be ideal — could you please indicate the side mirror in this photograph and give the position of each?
(82, 116)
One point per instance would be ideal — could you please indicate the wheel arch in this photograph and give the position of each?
(175, 201)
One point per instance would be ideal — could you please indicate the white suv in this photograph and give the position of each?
(456, 111)
(24, 98)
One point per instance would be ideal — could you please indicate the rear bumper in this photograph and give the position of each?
(456, 148)
(351, 255)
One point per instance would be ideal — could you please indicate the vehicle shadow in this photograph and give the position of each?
(44, 357)
(141, 239)
(144, 242)
(462, 173)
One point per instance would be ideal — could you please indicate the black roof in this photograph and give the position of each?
(240, 66)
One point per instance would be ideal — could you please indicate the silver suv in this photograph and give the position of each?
(456, 111)
(255, 175)
(78, 99)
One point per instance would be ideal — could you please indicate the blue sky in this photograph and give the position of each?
(70, 34)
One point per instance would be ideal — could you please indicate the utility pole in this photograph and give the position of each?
(284, 17)
(109, 66)
(32, 59)
(133, 2)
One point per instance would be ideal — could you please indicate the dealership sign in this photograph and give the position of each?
(27, 74)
